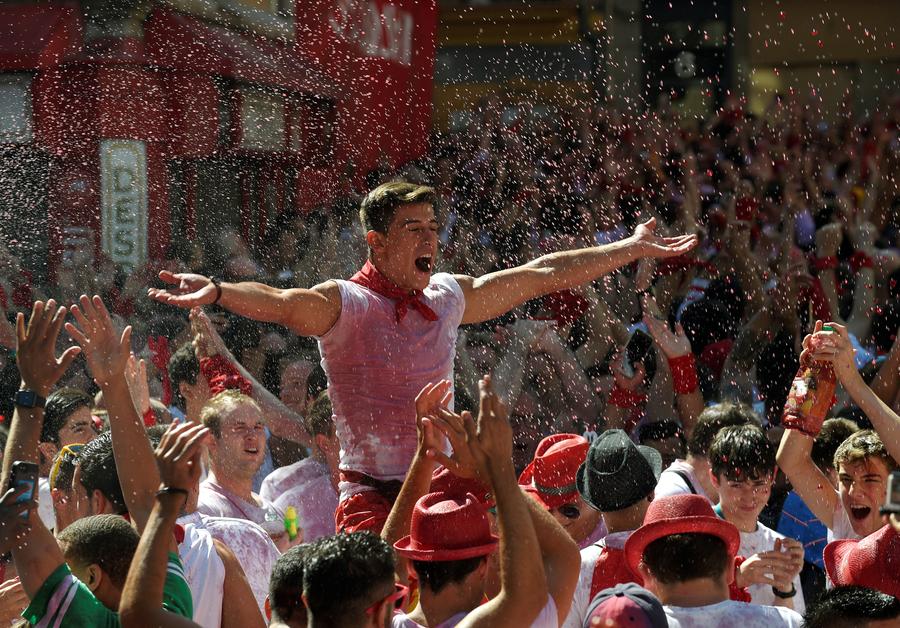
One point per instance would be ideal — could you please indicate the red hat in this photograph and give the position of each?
(445, 481)
(872, 562)
(679, 514)
(445, 527)
(550, 477)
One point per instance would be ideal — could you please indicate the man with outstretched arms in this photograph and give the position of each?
(392, 328)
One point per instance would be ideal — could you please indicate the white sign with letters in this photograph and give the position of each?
(123, 175)
(385, 33)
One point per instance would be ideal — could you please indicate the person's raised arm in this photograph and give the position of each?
(523, 592)
(37, 555)
(107, 353)
(418, 478)
(142, 601)
(496, 293)
(794, 457)
(307, 312)
(837, 349)
(887, 382)
(282, 421)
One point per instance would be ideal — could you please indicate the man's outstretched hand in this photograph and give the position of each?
(178, 455)
(36, 347)
(189, 290)
(651, 245)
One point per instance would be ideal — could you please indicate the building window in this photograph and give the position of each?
(262, 120)
(15, 109)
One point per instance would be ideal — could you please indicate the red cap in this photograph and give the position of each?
(444, 527)
(872, 562)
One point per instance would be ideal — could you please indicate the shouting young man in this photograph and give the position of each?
(391, 328)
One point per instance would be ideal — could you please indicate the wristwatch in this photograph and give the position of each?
(783, 595)
(29, 399)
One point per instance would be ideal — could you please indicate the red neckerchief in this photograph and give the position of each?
(371, 278)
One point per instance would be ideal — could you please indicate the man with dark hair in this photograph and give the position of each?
(853, 607)
(284, 604)
(742, 468)
(447, 536)
(685, 555)
(348, 582)
(98, 548)
(617, 479)
(691, 475)
(798, 521)
(96, 473)
(310, 485)
(190, 390)
(666, 437)
(67, 421)
(394, 313)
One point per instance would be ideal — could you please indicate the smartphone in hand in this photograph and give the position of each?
(24, 475)
(892, 501)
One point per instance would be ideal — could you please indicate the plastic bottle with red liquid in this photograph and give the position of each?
(812, 394)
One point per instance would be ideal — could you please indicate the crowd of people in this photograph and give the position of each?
(549, 378)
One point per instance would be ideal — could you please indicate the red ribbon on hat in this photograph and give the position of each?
(222, 375)
(372, 278)
(159, 357)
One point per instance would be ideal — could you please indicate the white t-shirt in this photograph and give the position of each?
(671, 482)
(841, 526)
(730, 614)
(204, 572)
(250, 544)
(763, 540)
(547, 619)
(589, 556)
(305, 485)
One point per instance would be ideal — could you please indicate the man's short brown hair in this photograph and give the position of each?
(318, 419)
(220, 405)
(862, 445)
(379, 206)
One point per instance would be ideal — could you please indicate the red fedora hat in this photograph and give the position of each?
(447, 527)
(679, 514)
(550, 477)
(872, 562)
(445, 481)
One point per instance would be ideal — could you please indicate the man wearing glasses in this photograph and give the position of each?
(64, 502)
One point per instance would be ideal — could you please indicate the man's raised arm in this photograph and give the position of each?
(496, 293)
(307, 312)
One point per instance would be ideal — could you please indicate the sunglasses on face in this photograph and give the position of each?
(397, 599)
(68, 454)
(569, 511)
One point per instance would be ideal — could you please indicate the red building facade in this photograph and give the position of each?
(171, 124)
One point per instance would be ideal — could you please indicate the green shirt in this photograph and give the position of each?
(63, 600)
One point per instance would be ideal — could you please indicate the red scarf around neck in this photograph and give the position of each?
(371, 278)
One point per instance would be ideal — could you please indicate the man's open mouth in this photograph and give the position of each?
(424, 263)
(860, 512)
(251, 451)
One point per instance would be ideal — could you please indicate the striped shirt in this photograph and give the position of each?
(63, 600)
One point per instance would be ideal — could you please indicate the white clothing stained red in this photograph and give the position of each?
(376, 367)
(305, 485)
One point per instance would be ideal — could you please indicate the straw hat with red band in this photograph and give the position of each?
(446, 527)
(550, 477)
(679, 514)
(872, 562)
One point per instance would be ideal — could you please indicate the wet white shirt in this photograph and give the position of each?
(730, 614)
(763, 540)
(549, 618)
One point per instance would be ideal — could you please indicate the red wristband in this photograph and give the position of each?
(860, 260)
(149, 418)
(824, 263)
(684, 374)
(622, 398)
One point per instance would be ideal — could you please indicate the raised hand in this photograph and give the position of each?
(36, 347)
(792, 550)
(431, 399)
(207, 341)
(190, 290)
(105, 350)
(652, 245)
(13, 526)
(13, 601)
(490, 439)
(622, 380)
(178, 455)
(674, 345)
(461, 461)
(834, 347)
(136, 375)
